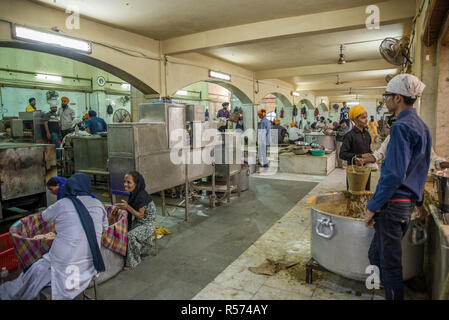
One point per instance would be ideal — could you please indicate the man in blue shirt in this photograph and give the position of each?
(263, 137)
(401, 183)
(95, 124)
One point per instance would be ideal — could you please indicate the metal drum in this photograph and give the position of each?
(441, 186)
(340, 244)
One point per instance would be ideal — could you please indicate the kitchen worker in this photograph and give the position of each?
(66, 116)
(281, 131)
(56, 184)
(52, 128)
(32, 105)
(95, 124)
(79, 223)
(401, 183)
(357, 141)
(294, 133)
(373, 128)
(341, 130)
(223, 115)
(263, 137)
(344, 113)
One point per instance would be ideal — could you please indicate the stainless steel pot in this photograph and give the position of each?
(327, 141)
(441, 187)
(341, 244)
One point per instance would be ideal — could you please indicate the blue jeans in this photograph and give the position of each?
(54, 139)
(386, 247)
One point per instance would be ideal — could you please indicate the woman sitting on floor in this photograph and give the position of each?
(141, 219)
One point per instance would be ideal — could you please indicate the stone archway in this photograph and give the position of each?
(71, 54)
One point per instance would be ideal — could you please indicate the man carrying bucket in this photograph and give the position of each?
(357, 141)
(401, 183)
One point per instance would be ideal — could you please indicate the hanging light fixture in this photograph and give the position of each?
(341, 60)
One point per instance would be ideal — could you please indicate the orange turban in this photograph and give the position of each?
(292, 124)
(65, 99)
(277, 121)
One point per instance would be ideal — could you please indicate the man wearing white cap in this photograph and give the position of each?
(401, 182)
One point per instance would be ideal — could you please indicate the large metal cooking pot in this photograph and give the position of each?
(441, 187)
(327, 141)
(340, 244)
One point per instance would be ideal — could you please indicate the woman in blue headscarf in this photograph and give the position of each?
(141, 219)
(55, 185)
(74, 257)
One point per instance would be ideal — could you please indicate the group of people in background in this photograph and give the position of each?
(57, 123)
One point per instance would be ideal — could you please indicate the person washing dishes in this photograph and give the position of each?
(357, 141)
(401, 184)
(66, 115)
(79, 224)
(32, 105)
(95, 124)
(263, 137)
(141, 219)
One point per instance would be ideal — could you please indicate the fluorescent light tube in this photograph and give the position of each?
(182, 93)
(126, 86)
(294, 93)
(28, 34)
(219, 75)
(48, 77)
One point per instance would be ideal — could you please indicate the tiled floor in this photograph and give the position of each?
(289, 239)
(197, 252)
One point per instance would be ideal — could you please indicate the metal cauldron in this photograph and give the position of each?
(340, 244)
(441, 187)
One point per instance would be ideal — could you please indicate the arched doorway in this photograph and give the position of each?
(26, 74)
(309, 114)
(212, 94)
(278, 103)
(71, 54)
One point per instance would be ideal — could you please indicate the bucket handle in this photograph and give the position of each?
(418, 229)
(326, 223)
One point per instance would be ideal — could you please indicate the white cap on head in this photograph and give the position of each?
(407, 85)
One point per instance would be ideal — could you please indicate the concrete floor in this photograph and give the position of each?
(196, 253)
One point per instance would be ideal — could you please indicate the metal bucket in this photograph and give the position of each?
(357, 178)
(441, 187)
(340, 244)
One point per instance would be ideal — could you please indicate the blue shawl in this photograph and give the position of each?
(79, 185)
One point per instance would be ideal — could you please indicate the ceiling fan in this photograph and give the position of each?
(341, 59)
(338, 81)
(396, 51)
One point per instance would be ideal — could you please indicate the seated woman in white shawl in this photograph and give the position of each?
(74, 258)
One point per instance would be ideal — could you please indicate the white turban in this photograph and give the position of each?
(407, 85)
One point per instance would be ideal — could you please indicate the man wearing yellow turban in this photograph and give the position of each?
(357, 141)
(294, 133)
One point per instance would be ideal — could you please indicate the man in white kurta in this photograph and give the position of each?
(68, 266)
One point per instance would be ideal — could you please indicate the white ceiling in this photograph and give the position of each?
(309, 50)
(163, 19)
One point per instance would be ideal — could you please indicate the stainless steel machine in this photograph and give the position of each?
(163, 146)
(24, 170)
(28, 127)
